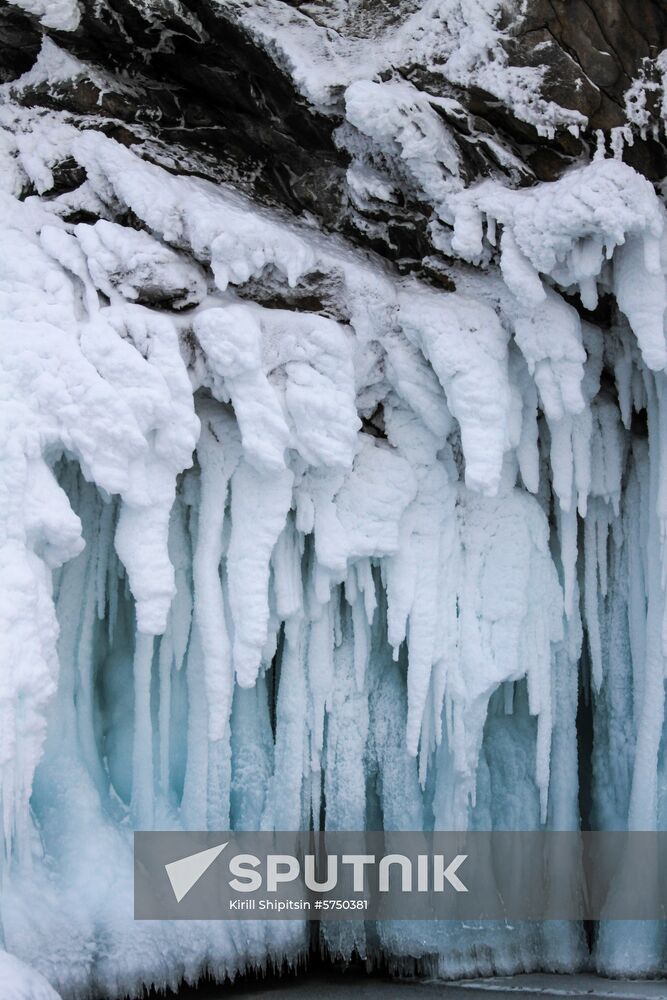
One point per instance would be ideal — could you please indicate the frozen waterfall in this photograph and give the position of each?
(292, 540)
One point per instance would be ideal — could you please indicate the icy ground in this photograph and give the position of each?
(528, 987)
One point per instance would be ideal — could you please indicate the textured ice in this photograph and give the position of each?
(266, 568)
(20, 982)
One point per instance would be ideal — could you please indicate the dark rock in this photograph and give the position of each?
(591, 46)
(316, 292)
(198, 94)
(67, 176)
(20, 42)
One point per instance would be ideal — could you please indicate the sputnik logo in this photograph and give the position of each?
(281, 868)
(186, 872)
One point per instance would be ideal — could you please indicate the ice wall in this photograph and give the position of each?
(358, 562)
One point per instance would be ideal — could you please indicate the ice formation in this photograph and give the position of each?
(358, 563)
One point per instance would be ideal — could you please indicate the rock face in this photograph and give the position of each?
(254, 94)
(593, 51)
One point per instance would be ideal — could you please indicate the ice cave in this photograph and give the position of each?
(333, 485)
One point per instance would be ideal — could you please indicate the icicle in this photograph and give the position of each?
(582, 433)
(194, 803)
(252, 756)
(284, 809)
(623, 373)
(232, 340)
(142, 752)
(361, 642)
(641, 295)
(644, 794)
(467, 346)
(602, 534)
(562, 460)
(218, 452)
(165, 665)
(104, 554)
(85, 658)
(550, 339)
(320, 675)
(347, 730)
(142, 546)
(259, 508)
(567, 528)
(527, 449)
(286, 571)
(591, 593)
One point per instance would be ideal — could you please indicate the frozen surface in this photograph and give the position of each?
(567, 986)
(528, 987)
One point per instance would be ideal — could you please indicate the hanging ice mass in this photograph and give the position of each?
(272, 566)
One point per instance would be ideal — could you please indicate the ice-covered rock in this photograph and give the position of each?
(333, 486)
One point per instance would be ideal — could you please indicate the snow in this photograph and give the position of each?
(461, 41)
(648, 85)
(61, 14)
(133, 265)
(466, 346)
(263, 566)
(397, 115)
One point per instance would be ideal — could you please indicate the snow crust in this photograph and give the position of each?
(262, 566)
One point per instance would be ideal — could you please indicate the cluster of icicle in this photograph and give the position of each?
(266, 568)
